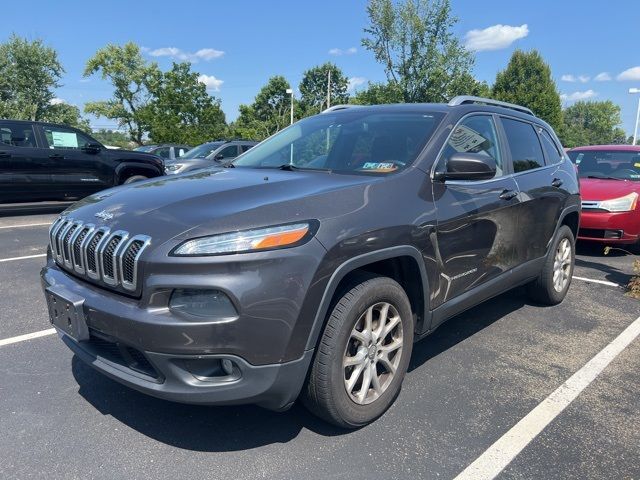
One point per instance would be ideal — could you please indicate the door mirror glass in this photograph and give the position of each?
(469, 166)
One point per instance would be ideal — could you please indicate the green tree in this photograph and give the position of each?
(414, 42)
(66, 114)
(112, 137)
(527, 81)
(128, 72)
(269, 112)
(592, 123)
(180, 110)
(313, 88)
(379, 93)
(29, 71)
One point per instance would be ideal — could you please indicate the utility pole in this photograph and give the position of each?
(329, 89)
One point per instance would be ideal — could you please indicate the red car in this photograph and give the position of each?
(610, 187)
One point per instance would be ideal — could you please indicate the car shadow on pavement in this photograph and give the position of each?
(195, 427)
(596, 256)
(467, 324)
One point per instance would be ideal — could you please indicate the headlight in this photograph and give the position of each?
(269, 238)
(173, 167)
(622, 204)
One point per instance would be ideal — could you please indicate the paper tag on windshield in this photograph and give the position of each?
(465, 139)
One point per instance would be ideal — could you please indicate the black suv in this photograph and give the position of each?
(311, 264)
(45, 161)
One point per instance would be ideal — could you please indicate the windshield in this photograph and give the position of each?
(350, 142)
(201, 151)
(619, 165)
(144, 148)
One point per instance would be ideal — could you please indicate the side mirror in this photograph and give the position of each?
(468, 166)
(92, 147)
(219, 157)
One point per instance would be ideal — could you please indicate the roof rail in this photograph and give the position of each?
(339, 107)
(465, 99)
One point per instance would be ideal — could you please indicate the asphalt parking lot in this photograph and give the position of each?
(471, 384)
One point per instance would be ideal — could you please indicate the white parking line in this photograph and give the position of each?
(27, 336)
(26, 225)
(39, 255)
(506, 448)
(601, 282)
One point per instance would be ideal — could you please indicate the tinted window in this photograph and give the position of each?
(526, 151)
(476, 134)
(246, 147)
(228, 152)
(17, 134)
(66, 139)
(180, 151)
(550, 148)
(202, 151)
(164, 152)
(351, 141)
(623, 165)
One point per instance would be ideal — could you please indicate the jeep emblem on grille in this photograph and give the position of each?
(104, 215)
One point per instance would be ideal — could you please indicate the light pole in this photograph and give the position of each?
(635, 130)
(290, 92)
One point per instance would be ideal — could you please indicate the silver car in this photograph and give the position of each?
(207, 155)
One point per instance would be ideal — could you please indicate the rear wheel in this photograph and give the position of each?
(363, 355)
(553, 283)
(134, 178)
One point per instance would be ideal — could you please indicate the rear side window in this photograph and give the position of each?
(550, 148)
(228, 152)
(164, 152)
(526, 151)
(17, 135)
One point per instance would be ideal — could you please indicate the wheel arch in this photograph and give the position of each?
(402, 263)
(127, 169)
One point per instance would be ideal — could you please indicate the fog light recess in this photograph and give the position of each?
(203, 303)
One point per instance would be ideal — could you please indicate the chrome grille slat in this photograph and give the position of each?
(110, 258)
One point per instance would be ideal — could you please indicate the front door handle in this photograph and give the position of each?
(5, 155)
(508, 194)
(556, 183)
(56, 156)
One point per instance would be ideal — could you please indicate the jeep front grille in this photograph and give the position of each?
(97, 253)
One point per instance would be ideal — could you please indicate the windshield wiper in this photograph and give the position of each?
(293, 168)
(604, 177)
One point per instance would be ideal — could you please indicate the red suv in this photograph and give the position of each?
(610, 187)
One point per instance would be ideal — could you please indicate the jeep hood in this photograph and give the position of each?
(218, 200)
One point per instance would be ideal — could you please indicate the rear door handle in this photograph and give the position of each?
(556, 183)
(56, 156)
(508, 194)
(5, 155)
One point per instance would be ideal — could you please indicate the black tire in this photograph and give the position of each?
(543, 289)
(325, 393)
(134, 178)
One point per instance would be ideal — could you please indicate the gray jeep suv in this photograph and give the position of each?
(310, 265)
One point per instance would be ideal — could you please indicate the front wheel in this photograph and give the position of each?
(363, 355)
(552, 284)
(134, 178)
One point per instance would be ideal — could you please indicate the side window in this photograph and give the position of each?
(164, 152)
(550, 148)
(17, 135)
(246, 147)
(524, 144)
(66, 139)
(179, 151)
(228, 152)
(476, 134)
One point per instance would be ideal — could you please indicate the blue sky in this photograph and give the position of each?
(242, 43)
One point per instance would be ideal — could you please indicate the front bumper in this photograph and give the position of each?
(610, 228)
(143, 344)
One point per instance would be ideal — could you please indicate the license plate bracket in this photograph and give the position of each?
(66, 311)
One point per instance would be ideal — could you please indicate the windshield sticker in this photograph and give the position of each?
(64, 139)
(379, 166)
(465, 139)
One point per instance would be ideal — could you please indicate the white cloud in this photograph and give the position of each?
(568, 78)
(630, 74)
(575, 96)
(57, 101)
(495, 37)
(211, 82)
(173, 52)
(583, 78)
(355, 82)
(574, 78)
(602, 77)
(339, 51)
